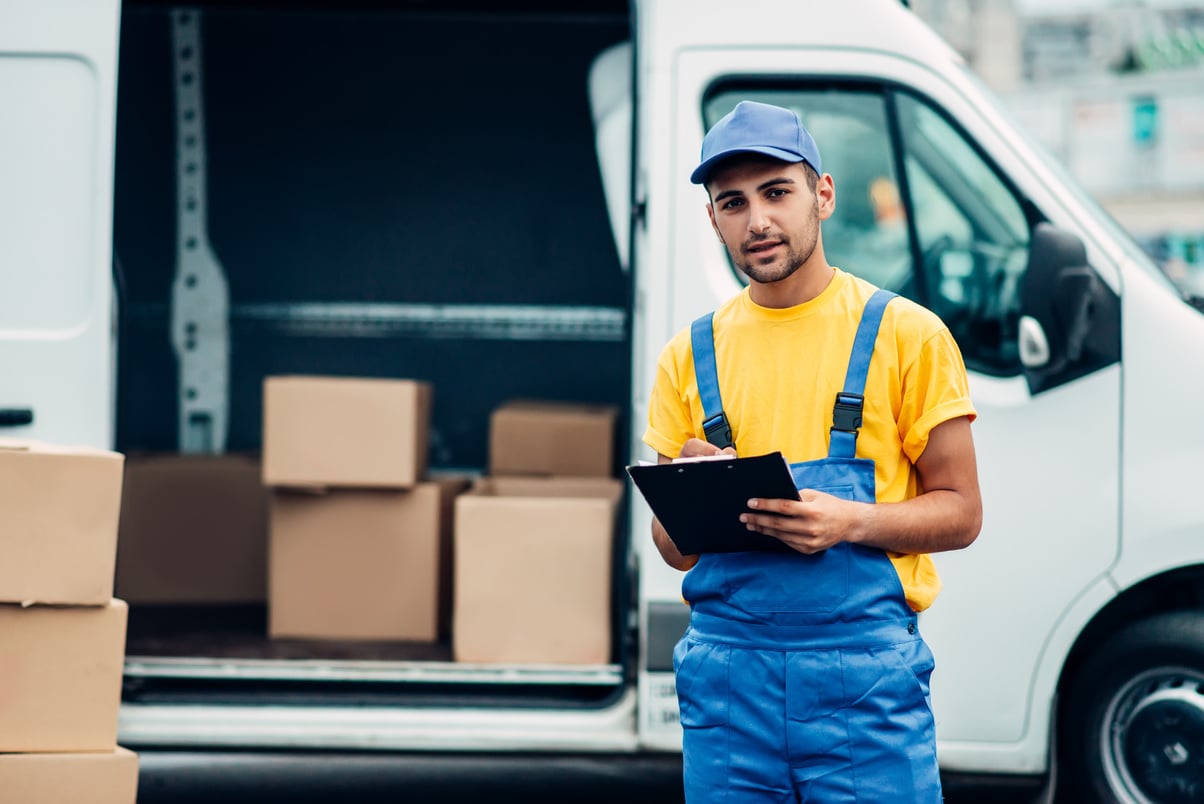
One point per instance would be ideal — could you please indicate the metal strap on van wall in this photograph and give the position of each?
(387, 320)
(200, 297)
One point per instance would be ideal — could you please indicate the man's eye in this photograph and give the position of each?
(777, 192)
(733, 203)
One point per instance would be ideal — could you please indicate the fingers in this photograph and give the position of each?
(696, 447)
(810, 524)
(800, 542)
(772, 515)
(762, 526)
(795, 541)
(786, 507)
(770, 525)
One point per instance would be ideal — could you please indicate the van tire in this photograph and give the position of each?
(1132, 730)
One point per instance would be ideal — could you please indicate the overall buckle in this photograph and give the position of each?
(718, 431)
(846, 413)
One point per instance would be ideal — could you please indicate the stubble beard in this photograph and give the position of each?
(774, 272)
(794, 258)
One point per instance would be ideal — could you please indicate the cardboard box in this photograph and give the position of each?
(59, 506)
(60, 676)
(194, 529)
(552, 439)
(362, 564)
(345, 432)
(534, 562)
(103, 777)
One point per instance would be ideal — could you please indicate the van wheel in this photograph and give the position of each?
(1133, 727)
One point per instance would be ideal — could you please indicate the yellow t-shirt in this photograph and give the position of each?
(779, 371)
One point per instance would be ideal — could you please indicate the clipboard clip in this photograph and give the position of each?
(718, 431)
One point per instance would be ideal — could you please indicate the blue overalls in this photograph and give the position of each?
(804, 677)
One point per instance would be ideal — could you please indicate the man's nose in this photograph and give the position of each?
(758, 219)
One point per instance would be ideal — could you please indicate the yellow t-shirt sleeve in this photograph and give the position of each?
(670, 421)
(935, 390)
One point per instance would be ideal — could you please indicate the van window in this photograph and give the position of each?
(47, 214)
(918, 210)
(973, 237)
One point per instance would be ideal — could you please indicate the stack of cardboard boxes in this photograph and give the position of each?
(534, 540)
(62, 634)
(359, 536)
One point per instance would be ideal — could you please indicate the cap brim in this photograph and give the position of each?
(703, 171)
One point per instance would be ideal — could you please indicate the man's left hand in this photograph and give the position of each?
(946, 516)
(810, 524)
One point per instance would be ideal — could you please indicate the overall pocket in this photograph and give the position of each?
(915, 658)
(769, 583)
(702, 670)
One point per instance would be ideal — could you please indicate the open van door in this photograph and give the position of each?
(58, 84)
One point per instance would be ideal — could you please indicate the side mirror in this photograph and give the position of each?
(1070, 319)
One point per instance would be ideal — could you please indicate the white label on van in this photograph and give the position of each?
(660, 723)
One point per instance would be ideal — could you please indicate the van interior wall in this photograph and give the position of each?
(374, 155)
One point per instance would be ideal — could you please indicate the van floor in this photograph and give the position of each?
(241, 632)
(223, 654)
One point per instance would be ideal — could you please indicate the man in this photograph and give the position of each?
(803, 675)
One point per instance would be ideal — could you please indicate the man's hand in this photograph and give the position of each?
(693, 448)
(697, 448)
(946, 515)
(813, 522)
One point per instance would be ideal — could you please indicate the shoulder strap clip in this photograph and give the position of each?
(718, 431)
(846, 413)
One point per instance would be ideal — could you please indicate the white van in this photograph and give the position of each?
(495, 198)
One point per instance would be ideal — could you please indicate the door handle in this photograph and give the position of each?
(15, 417)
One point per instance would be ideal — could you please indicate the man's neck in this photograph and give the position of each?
(801, 286)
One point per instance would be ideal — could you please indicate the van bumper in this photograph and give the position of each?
(184, 777)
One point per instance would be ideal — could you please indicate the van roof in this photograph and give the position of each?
(873, 25)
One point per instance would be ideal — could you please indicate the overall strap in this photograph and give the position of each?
(714, 422)
(846, 413)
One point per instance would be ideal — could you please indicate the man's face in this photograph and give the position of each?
(767, 215)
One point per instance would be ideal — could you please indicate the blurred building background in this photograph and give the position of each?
(1115, 89)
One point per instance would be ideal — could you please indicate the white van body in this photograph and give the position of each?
(1092, 524)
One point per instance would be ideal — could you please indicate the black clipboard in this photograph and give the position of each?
(700, 503)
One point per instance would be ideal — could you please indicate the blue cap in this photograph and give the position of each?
(757, 128)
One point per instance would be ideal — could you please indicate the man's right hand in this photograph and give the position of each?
(697, 448)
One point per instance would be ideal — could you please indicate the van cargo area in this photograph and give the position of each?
(375, 190)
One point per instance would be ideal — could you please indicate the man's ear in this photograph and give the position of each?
(715, 226)
(825, 194)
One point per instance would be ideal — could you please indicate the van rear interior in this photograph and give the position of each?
(392, 190)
